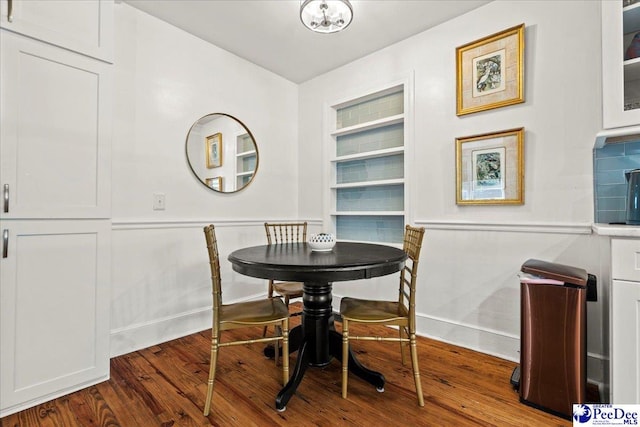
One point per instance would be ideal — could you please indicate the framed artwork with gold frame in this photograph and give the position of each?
(490, 72)
(490, 168)
(215, 183)
(213, 150)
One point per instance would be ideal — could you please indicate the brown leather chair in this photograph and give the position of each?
(271, 311)
(401, 313)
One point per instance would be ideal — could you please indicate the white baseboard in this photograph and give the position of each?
(498, 344)
(143, 335)
(488, 341)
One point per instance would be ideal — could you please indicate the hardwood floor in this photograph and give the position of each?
(165, 385)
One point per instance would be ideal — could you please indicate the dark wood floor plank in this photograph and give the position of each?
(174, 407)
(124, 398)
(185, 370)
(50, 414)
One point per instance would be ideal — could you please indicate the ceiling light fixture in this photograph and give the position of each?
(326, 16)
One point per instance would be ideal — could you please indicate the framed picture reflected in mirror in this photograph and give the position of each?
(213, 149)
(215, 183)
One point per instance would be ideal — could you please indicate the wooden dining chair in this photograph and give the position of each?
(291, 232)
(401, 313)
(261, 313)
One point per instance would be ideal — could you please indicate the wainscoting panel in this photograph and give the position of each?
(468, 285)
(161, 286)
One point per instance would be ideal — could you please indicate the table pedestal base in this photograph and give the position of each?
(317, 342)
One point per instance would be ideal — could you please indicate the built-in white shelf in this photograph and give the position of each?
(370, 183)
(369, 154)
(246, 154)
(243, 160)
(374, 124)
(368, 213)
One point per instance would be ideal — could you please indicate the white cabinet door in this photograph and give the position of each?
(620, 79)
(625, 342)
(625, 259)
(82, 26)
(54, 309)
(55, 119)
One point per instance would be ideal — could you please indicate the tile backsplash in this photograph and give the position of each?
(610, 164)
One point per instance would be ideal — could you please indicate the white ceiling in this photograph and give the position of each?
(269, 32)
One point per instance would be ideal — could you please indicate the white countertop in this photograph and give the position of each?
(616, 230)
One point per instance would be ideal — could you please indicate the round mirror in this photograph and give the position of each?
(222, 152)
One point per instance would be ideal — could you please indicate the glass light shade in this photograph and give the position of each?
(326, 16)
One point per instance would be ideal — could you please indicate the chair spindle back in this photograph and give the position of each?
(412, 245)
(291, 232)
(214, 262)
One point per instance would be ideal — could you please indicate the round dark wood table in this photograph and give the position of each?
(315, 339)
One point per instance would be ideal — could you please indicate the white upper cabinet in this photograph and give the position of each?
(81, 26)
(55, 119)
(620, 64)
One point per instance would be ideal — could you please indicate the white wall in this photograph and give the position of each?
(165, 80)
(468, 289)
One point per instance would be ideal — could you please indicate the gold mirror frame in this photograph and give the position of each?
(209, 140)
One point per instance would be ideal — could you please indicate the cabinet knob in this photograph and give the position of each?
(10, 10)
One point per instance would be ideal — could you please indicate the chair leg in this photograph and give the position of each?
(403, 336)
(276, 344)
(264, 332)
(269, 295)
(285, 351)
(345, 356)
(212, 374)
(416, 369)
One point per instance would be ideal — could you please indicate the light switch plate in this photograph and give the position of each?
(158, 201)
